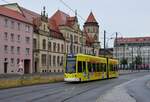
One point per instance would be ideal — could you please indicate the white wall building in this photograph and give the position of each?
(130, 48)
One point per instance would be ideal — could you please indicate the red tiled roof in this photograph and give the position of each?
(133, 40)
(37, 22)
(53, 25)
(60, 18)
(91, 18)
(13, 14)
(30, 15)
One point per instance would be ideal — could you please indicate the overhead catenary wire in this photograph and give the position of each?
(74, 11)
(5, 1)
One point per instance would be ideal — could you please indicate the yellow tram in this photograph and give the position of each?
(82, 67)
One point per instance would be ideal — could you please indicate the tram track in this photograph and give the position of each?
(80, 89)
(57, 92)
(89, 89)
(63, 92)
(50, 88)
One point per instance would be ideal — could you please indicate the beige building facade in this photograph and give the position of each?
(56, 36)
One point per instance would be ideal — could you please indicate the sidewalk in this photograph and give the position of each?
(124, 72)
(117, 94)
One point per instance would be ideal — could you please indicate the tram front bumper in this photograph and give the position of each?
(72, 79)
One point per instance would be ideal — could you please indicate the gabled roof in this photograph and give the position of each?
(13, 14)
(91, 18)
(61, 19)
(13, 6)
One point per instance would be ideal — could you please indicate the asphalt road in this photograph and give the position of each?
(71, 92)
(139, 90)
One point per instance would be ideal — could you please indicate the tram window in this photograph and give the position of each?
(101, 67)
(79, 66)
(114, 68)
(98, 67)
(94, 67)
(89, 67)
(111, 67)
(84, 67)
(104, 67)
(70, 66)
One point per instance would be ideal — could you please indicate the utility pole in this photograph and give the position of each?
(104, 43)
(116, 45)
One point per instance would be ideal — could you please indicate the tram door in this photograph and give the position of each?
(85, 71)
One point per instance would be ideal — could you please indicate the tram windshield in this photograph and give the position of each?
(71, 65)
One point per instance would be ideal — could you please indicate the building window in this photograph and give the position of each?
(18, 26)
(27, 51)
(44, 44)
(5, 35)
(49, 46)
(88, 30)
(44, 27)
(43, 59)
(62, 48)
(27, 28)
(58, 47)
(27, 40)
(12, 60)
(18, 60)
(34, 43)
(18, 38)
(94, 30)
(62, 59)
(12, 37)
(49, 60)
(6, 48)
(12, 49)
(54, 60)
(6, 22)
(18, 50)
(58, 61)
(54, 47)
(12, 24)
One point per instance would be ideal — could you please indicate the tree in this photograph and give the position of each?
(124, 62)
(138, 60)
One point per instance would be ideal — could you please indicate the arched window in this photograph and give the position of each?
(44, 44)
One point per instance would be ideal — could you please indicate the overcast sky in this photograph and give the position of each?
(131, 18)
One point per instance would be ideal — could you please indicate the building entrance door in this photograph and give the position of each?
(5, 67)
(26, 66)
(35, 65)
